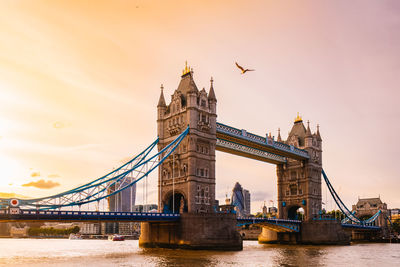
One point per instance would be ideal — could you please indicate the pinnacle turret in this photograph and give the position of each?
(279, 139)
(161, 101)
(318, 134)
(308, 131)
(211, 94)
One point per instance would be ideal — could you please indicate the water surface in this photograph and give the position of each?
(63, 252)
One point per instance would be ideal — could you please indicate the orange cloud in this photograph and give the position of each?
(12, 195)
(53, 176)
(35, 174)
(42, 184)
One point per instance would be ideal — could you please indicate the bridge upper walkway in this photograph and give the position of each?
(243, 143)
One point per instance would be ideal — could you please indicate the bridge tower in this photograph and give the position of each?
(187, 178)
(299, 182)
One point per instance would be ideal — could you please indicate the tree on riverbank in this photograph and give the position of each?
(52, 231)
(396, 225)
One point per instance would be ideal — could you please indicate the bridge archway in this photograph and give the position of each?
(296, 213)
(175, 203)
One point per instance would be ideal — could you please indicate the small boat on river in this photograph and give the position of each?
(116, 237)
(75, 236)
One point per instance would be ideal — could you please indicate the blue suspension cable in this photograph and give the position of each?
(98, 186)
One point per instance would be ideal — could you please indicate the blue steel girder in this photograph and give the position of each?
(242, 137)
(277, 225)
(248, 152)
(108, 185)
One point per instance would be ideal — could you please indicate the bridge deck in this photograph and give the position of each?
(35, 215)
(243, 143)
(277, 225)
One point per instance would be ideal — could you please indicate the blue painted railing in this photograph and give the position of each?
(55, 215)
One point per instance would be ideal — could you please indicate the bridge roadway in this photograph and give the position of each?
(277, 225)
(242, 143)
(88, 216)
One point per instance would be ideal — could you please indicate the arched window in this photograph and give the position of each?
(184, 168)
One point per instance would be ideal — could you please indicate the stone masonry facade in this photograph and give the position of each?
(189, 173)
(299, 182)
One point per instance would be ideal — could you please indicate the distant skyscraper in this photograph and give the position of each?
(124, 201)
(246, 195)
(241, 200)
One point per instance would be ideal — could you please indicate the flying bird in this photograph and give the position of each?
(242, 69)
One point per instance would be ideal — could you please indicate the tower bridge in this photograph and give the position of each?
(190, 173)
(188, 136)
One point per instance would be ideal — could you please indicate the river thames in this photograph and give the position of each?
(63, 252)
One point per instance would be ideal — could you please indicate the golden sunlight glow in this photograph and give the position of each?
(10, 169)
(79, 84)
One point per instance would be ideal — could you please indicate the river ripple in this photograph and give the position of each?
(62, 252)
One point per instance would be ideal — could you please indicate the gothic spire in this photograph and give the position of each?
(318, 134)
(211, 94)
(308, 131)
(161, 101)
(279, 139)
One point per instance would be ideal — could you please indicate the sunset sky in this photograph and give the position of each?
(80, 81)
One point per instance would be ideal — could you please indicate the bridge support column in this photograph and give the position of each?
(193, 231)
(268, 236)
(313, 232)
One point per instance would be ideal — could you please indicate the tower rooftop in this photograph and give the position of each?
(187, 83)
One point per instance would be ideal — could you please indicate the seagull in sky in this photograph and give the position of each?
(242, 69)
